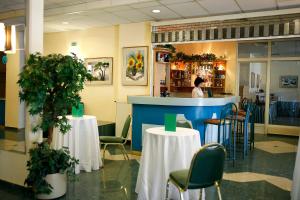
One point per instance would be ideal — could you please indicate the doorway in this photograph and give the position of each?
(269, 76)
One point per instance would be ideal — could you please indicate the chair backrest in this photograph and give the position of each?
(227, 111)
(126, 126)
(181, 121)
(207, 165)
(185, 124)
(249, 110)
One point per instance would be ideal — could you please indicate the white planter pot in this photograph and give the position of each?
(58, 182)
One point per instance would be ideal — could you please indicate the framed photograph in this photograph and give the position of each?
(252, 79)
(101, 70)
(257, 80)
(288, 81)
(135, 66)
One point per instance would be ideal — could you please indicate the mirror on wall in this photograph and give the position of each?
(12, 112)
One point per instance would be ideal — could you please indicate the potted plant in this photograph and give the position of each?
(50, 86)
(48, 169)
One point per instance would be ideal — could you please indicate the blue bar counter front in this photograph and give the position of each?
(151, 110)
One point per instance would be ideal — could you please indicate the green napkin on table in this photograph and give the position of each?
(78, 111)
(170, 122)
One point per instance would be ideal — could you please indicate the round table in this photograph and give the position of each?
(296, 179)
(83, 142)
(164, 152)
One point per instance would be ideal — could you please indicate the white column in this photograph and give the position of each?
(34, 26)
(34, 43)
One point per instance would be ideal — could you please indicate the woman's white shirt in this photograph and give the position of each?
(197, 92)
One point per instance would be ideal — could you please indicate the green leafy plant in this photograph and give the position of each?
(50, 86)
(168, 46)
(182, 57)
(44, 161)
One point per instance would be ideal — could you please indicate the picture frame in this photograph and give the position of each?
(101, 69)
(252, 79)
(135, 65)
(257, 81)
(288, 81)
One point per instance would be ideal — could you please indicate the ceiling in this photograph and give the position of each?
(64, 15)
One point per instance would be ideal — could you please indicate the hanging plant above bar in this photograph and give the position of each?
(205, 57)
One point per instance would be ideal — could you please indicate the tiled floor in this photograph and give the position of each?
(266, 173)
(12, 139)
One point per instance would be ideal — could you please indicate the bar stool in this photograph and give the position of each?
(243, 120)
(225, 120)
(252, 117)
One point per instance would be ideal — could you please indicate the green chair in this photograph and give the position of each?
(184, 124)
(206, 170)
(181, 121)
(119, 141)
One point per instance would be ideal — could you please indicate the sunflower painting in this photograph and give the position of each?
(135, 66)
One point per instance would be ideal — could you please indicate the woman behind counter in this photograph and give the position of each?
(197, 92)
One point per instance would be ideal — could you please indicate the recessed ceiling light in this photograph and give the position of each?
(156, 11)
(65, 23)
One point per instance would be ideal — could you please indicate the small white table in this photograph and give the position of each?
(296, 179)
(82, 141)
(164, 152)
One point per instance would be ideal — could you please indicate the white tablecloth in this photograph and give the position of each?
(164, 152)
(296, 179)
(82, 141)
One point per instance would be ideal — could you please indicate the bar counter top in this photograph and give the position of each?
(176, 101)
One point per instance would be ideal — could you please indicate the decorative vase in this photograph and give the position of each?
(58, 182)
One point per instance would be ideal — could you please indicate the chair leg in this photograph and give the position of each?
(201, 192)
(219, 140)
(219, 191)
(181, 195)
(234, 141)
(252, 132)
(121, 148)
(104, 153)
(125, 152)
(125, 192)
(205, 126)
(167, 189)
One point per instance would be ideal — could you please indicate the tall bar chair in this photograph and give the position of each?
(254, 112)
(243, 121)
(227, 121)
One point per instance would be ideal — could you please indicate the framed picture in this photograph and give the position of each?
(252, 79)
(257, 80)
(101, 70)
(135, 66)
(288, 81)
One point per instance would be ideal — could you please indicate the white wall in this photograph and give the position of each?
(14, 110)
(103, 42)
(244, 74)
(246, 69)
(261, 69)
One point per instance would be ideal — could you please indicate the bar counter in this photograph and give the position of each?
(149, 111)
